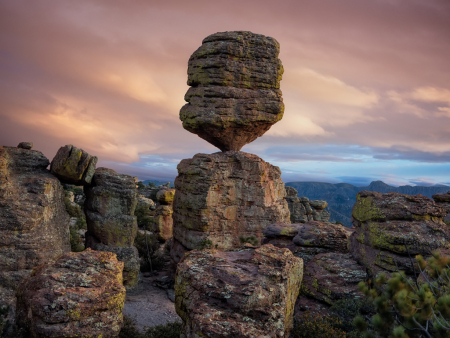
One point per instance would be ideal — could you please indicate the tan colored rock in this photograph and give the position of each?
(110, 203)
(391, 227)
(443, 200)
(303, 210)
(165, 196)
(234, 96)
(80, 294)
(223, 198)
(34, 224)
(248, 293)
(73, 165)
(163, 222)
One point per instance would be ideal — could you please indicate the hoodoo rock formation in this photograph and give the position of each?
(81, 295)
(73, 165)
(303, 210)
(225, 199)
(392, 227)
(34, 224)
(110, 203)
(162, 220)
(235, 92)
(247, 293)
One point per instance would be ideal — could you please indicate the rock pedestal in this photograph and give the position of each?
(303, 210)
(110, 203)
(162, 220)
(235, 92)
(248, 293)
(81, 294)
(392, 228)
(225, 199)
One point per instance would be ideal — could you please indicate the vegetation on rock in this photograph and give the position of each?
(315, 325)
(130, 330)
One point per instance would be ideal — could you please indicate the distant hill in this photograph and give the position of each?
(157, 183)
(342, 196)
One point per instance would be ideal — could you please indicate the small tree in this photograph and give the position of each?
(416, 306)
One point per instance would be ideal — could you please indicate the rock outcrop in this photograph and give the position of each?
(235, 92)
(303, 210)
(25, 145)
(80, 294)
(307, 240)
(392, 228)
(248, 293)
(34, 224)
(443, 200)
(110, 203)
(73, 165)
(162, 220)
(225, 199)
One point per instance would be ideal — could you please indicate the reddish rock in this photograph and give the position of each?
(34, 224)
(73, 165)
(248, 293)
(224, 199)
(390, 228)
(332, 276)
(80, 294)
(110, 203)
(163, 222)
(307, 240)
(234, 96)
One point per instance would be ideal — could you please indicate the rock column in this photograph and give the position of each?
(110, 203)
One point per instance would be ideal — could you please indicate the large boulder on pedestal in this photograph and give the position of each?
(81, 294)
(110, 203)
(392, 228)
(235, 92)
(224, 198)
(34, 224)
(248, 293)
(73, 165)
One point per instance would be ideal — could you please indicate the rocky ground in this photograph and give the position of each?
(149, 305)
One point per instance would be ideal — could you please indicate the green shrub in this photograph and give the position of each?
(148, 245)
(73, 209)
(75, 244)
(347, 309)
(411, 307)
(447, 222)
(251, 240)
(130, 330)
(81, 223)
(144, 217)
(314, 325)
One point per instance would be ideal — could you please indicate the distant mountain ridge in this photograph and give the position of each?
(342, 196)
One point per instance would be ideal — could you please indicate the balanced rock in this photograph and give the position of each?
(80, 294)
(34, 224)
(163, 222)
(165, 196)
(225, 199)
(392, 228)
(110, 203)
(443, 200)
(303, 210)
(73, 165)
(248, 293)
(235, 92)
(306, 240)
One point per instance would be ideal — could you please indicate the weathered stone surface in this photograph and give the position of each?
(234, 96)
(443, 200)
(144, 201)
(34, 224)
(110, 203)
(238, 293)
(390, 227)
(222, 198)
(73, 165)
(80, 294)
(307, 240)
(25, 145)
(165, 196)
(332, 276)
(163, 222)
(303, 210)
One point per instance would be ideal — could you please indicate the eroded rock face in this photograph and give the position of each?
(81, 293)
(443, 200)
(238, 293)
(235, 92)
(391, 227)
(223, 198)
(34, 224)
(303, 210)
(163, 222)
(307, 240)
(73, 165)
(332, 276)
(110, 203)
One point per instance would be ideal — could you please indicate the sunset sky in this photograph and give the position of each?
(366, 83)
